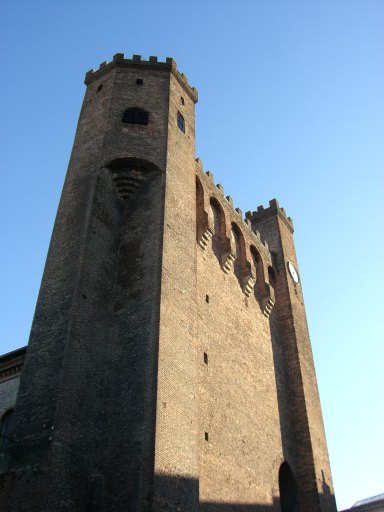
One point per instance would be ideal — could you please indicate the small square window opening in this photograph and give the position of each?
(139, 81)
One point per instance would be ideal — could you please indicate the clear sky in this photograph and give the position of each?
(291, 106)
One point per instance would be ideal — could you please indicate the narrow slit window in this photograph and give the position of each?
(180, 122)
(135, 116)
(206, 436)
(205, 358)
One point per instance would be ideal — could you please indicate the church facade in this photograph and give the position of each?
(169, 366)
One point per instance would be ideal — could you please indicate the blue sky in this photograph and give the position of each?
(291, 106)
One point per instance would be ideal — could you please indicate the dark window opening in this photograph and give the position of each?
(207, 299)
(139, 81)
(206, 436)
(181, 122)
(100, 87)
(205, 358)
(182, 100)
(135, 116)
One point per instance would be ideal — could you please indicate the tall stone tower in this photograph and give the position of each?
(169, 366)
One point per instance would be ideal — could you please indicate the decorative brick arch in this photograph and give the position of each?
(238, 250)
(259, 269)
(217, 221)
(130, 175)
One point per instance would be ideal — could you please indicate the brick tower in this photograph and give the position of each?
(169, 366)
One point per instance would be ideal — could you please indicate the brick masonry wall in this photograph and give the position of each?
(305, 443)
(177, 421)
(238, 407)
(88, 391)
(160, 375)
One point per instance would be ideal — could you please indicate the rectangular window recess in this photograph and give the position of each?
(207, 299)
(206, 436)
(205, 358)
(139, 81)
(180, 122)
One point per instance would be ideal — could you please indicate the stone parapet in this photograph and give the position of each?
(152, 63)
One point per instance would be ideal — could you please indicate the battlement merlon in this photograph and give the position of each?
(119, 61)
(273, 209)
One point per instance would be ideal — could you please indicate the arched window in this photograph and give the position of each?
(259, 268)
(217, 219)
(288, 489)
(258, 264)
(135, 115)
(5, 426)
(199, 208)
(239, 249)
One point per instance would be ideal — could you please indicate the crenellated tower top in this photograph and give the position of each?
(273, 209)
(119, 61)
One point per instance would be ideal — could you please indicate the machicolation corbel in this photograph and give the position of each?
(227, 262)
(248, 284)
(205, 238)
(268, 300)
(267, 306)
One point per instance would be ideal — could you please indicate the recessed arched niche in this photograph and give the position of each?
(199, 208)
(289, 500)
(259, 270)
(130, 175)
(238, 250)
(216, 215)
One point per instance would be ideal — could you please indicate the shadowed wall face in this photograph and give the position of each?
(88, 392)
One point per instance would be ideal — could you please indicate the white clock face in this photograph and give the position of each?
(293, 272)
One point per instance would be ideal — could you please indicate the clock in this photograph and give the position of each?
(293, 272)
